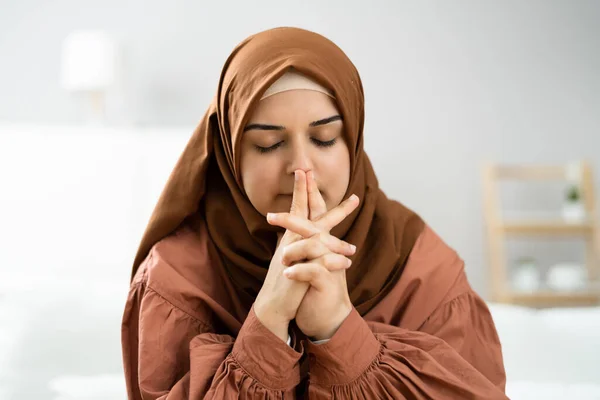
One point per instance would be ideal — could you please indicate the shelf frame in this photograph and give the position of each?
(499, 229)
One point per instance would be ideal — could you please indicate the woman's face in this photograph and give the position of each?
(296, 129)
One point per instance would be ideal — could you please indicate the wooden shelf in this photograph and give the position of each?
(500, 228)
(532, 172)
(552, 299)
(541, 227)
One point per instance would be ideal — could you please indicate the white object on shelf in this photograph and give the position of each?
(526, 277)
(566, 277)
(574, 212)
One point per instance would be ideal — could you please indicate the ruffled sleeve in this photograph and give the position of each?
(169, 354)
(455, 354)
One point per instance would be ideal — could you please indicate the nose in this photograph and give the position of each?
(300, 158)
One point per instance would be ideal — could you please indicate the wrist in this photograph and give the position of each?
(337, 321)
(278, 326)
(279, 329)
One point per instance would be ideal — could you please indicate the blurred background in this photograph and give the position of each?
(98, 99)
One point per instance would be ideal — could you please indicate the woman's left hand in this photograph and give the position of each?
(326, 303)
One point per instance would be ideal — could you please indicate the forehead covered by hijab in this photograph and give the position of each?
(292, 80)
(262, 59)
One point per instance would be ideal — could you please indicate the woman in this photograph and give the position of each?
(273, 266)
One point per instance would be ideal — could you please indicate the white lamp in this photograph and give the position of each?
(89, 67)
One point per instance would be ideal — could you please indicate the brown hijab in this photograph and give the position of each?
(206, 184)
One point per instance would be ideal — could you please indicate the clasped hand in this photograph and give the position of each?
(306, 280)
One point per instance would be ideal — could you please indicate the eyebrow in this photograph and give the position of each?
(266, 127)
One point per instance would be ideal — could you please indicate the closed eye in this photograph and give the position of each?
(317, 142)
(268, 149)
(321, 143)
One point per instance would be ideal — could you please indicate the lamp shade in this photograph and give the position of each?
(88, 61)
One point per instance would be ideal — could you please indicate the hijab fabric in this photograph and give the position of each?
(205, 185)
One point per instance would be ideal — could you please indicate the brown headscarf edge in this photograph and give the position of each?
(206, 180)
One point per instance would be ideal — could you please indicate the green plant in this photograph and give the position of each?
(573, 194)
(526, 261)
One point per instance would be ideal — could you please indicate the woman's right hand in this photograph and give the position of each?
(279, 298)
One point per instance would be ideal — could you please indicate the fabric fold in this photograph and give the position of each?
(266, 357)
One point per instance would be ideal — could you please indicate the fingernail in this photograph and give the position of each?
(354, 197)
(271, 216)
(349, 262)
(288, 272)
(296, 175)
(353, 248)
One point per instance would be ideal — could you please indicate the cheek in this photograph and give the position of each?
(335, 174)
(340, 159)
(260, 177)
